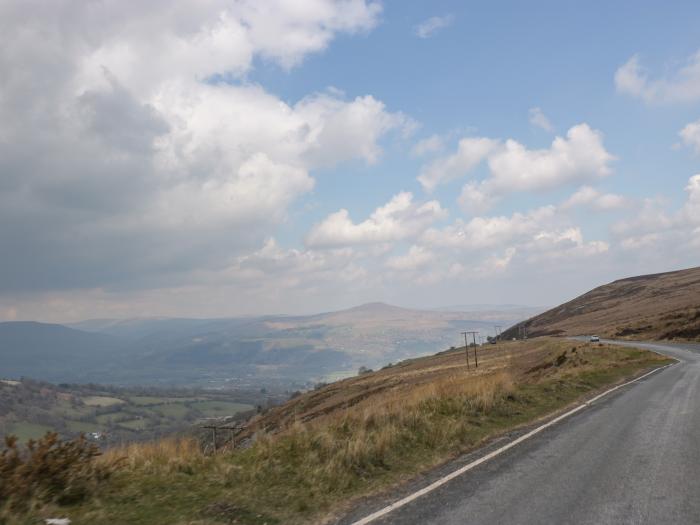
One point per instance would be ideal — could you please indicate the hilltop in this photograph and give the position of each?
(657, 306)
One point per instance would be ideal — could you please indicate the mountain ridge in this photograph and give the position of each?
(662, 305)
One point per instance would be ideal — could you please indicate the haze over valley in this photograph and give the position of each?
(250, 352)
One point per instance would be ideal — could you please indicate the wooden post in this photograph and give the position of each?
(466, 348)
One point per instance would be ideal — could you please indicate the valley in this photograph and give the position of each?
(112, 415)
(276, 352)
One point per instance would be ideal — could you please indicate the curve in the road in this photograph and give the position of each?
(632, 459)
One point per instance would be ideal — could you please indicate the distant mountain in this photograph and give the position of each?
(53, 352)
(501, 314)
(657, 306)
(485, 307)
(239, 351)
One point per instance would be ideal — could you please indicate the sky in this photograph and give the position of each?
(213, 158)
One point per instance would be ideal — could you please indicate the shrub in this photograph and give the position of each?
(48, 470)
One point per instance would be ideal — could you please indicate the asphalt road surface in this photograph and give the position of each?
(631, 457)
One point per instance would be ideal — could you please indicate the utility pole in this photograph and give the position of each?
(476, 360)
(466, 348)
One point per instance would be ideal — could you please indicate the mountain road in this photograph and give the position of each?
(632, 456)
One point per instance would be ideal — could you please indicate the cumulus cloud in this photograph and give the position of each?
(539, 119)
(669, 233)
(489, 232)
(416, 258)
(474, 199)
(591, 197)
(432, 144)
(470, 152)
(489, 245)
(682, 85)
(432, 25)
(690, 135)
(293, 268)
(339, 130)
(552, 245)
(398, 219)
(691, 209)
(133, 150)
(578, 157)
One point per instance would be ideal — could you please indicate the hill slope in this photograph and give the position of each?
(53, 352)
(657, 306)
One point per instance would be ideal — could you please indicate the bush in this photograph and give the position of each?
(48, 471)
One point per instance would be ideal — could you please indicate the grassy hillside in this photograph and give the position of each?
(304, 461)
(659, 306)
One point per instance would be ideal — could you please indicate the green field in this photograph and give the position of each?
(153, 400)
(176, 410)
(25, 431)
(102, 401)
(112, 417)
(220, 408)
(134, 424)
(81, 426)
(29, 409)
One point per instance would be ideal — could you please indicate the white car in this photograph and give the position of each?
(594, 339)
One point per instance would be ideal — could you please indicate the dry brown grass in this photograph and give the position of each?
(169, 453)
(408, 380)
(659, 306)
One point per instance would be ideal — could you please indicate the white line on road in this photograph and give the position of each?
(425, 490)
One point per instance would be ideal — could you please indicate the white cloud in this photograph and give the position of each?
(691, 209)
(558, 244)
(539, 119)
(432, 25)
(578, 157)
(194, 40)
(670, 234)
(683, 85)
(589, 196)
(690, 135)
(398, 219)
(417, 257)
(501, 263)
(149, 158)
(339, 130)
(489, 245)
(473, 200)
(273, 265)
(432, 144)
(470, 152)
(489, 232)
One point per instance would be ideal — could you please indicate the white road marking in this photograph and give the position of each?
(438, 483)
